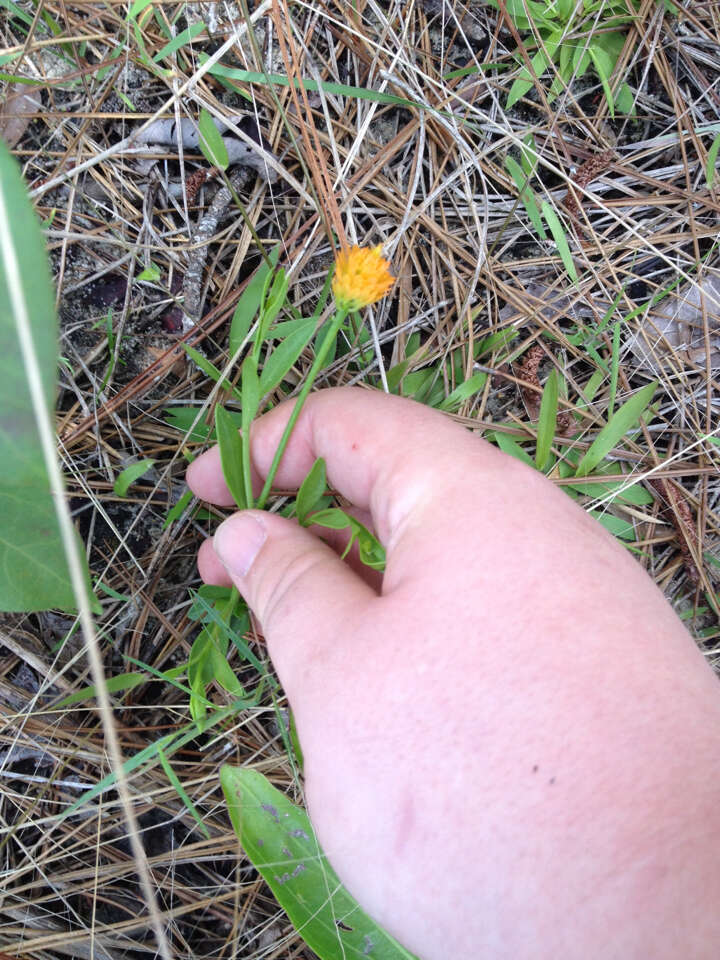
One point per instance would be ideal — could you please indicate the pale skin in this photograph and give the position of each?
(511, 742)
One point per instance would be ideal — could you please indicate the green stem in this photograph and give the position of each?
(317, 366)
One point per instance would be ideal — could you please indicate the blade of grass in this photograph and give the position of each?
(615, 429)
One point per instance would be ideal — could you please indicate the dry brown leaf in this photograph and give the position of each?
(17, 111)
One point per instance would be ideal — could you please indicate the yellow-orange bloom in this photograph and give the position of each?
(362, 276)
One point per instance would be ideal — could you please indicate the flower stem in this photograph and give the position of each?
(315, 369)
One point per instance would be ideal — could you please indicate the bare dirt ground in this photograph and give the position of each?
(146, 252)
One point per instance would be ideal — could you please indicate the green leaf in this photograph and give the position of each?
(211, 142)
(603, 67)
(151, 274)
(179, 508)
(130, 474)
(230, 455)
(117, 684)
(249, 303)
(556, 229)
(528, 155)
(712, 161)
(250, 403)
(180, 790)
(186, 36)
(284, 357)
(273, 301)
(625, 100)
(615, 429)
(279, 839)
(622, 529)
(524, 81)
(35, 574)
(510, 446)
(137, 8)
(311, 490)
(464, 391)
(547, 421)
(526, 195)
(210, 370)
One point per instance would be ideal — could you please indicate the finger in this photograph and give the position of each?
(298, 588)
(210, 566)
(205, 479)
(212, 570)
(408, 465)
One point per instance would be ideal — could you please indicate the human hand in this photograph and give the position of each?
(510, 746)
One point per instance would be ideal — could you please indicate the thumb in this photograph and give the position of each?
(301, 592)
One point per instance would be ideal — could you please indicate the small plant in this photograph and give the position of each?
(573, 36)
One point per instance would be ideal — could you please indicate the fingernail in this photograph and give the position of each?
(237, 542)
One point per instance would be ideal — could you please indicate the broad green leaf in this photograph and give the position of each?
(625, 100)
(510, 446)
(633, 493)
(622, 529)
(615, 429)
(230, 445)
(211, 142)
(280, 841)
(284, 357)
(130, 474)
(547, 421)
(603, 67)
(34, 569)
(311, 490)
(524, 81)
(395, 375)
(186, 36)
(249, 303)
(556, 229)
(712, 161)
(464, 391)
(526, 195)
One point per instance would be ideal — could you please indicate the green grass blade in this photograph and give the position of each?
(556, 229)
(280, 841)
(186, 36)
(526, 195)
(712, 161)
(180, 790)
(547, 422)
(615, 429)
(210, 370)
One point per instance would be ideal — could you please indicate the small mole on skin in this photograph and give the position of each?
(551, 781)
(535, 768)
(356, 446)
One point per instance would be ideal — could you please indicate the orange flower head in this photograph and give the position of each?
(362, 276)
